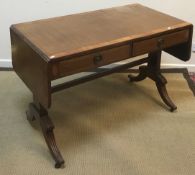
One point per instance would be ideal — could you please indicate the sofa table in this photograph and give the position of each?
(49, 49)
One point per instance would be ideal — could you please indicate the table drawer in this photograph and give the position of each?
(90, 61)
(159, 43)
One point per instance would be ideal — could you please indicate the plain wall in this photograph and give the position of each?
(12, 11)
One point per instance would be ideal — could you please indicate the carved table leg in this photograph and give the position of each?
(37, 111)
(152, 70)
(164, 95)
(141, 76)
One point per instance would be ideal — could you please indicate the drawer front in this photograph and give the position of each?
(90, 61)
(159, 43)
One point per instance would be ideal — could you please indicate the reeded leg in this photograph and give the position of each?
(161, 86)
(36, 111)
(152, 70)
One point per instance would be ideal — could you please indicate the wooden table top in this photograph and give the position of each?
(73, 34)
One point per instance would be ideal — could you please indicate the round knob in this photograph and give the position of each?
(97, 58)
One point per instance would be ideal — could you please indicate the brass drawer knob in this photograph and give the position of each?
(160, 43)
(97, 58)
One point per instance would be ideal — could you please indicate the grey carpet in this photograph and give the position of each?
(105, 127)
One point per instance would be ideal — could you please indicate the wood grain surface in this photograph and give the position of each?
(32, 69)
(66, 36)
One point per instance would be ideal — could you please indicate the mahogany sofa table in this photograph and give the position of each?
(45, 50)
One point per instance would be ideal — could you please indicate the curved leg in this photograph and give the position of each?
(152, 71)
(39, 113)
(161, 86)
(141, 76)
(47, 128)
